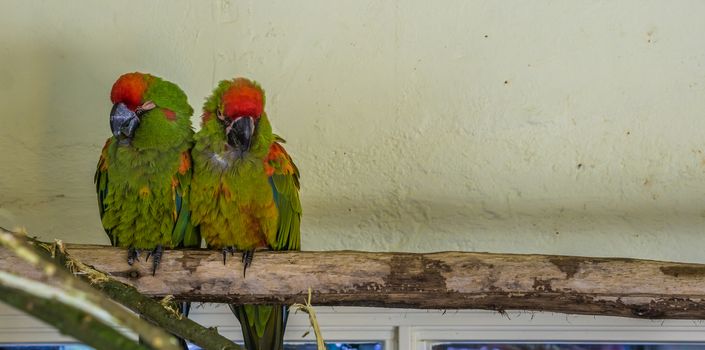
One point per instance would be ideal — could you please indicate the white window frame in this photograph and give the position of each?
(402, 329)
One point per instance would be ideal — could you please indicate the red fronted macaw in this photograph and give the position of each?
(144, 171)
(244, 193)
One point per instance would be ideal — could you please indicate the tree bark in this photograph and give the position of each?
(448, 280)
(69, 321)
(206, 338)
(50, 258)
(75, 291)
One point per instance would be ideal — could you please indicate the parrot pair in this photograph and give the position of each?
(160, 186)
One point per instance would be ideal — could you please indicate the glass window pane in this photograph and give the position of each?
(329, 346)
(287, 346)
(478, 346)
(334, 346)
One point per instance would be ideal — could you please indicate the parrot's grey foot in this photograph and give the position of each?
(247, 257)
(227, 250)
(156, 255)
(132, 255)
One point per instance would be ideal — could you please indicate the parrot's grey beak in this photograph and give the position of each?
(123, 122)
(239, 133)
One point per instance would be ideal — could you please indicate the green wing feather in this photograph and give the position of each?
(185, 234)
(101, 186)
(266, 325)
(263, 325)
(285, 185)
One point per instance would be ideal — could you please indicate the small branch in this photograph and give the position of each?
(69, 321)
(155, 311)
(46, 291)
(155, 337)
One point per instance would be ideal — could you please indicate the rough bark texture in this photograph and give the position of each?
(53, 261)
(47, 271)
(448, 280)
(128, 296)
(69, 321)
(206, 338)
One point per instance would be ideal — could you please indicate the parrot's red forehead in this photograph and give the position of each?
(243, 98)
(129, 89)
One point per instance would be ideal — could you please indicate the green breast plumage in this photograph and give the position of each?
(231, 196)
(232, 200)
(140, 204)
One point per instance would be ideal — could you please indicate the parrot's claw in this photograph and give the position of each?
(247, 257)
(227, 250)
(156, 255)
(132, 255)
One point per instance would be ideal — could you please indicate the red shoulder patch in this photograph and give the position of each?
(277, 160)
(103, 161)
(169, 114)
(185, 163)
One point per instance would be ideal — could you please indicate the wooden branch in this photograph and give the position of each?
(69, 321)
(450, 280)
(128, 296)
(90, 300)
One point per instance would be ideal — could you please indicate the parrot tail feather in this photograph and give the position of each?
(262, 325)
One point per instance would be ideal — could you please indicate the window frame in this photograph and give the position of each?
(400, 329)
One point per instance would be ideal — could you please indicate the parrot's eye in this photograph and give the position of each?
(225, 121)
(220, 116)
(144, 108)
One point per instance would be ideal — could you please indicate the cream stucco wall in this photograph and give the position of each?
(572, 127)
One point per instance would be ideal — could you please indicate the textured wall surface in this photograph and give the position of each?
(570, 127)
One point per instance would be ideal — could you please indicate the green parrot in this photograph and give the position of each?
(144, 171)
(245, 193)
